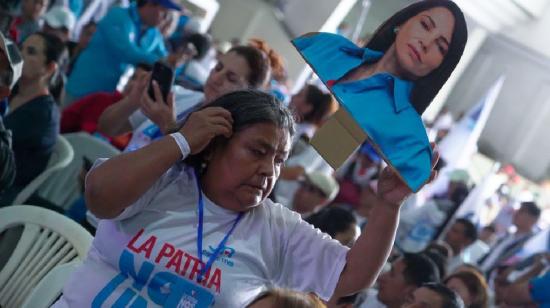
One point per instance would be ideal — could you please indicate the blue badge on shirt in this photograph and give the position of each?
(194, 296)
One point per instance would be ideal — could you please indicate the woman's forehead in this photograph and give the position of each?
(34, 40)
(266, 134)
(441, 17)
(235, 63)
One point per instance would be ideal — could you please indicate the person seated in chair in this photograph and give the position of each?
(33, 115)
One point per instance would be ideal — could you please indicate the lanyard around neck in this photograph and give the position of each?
(221, 245)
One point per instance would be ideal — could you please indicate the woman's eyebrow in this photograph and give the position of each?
(445, 40)
(263, 144)
(268, 146)
(431, 20)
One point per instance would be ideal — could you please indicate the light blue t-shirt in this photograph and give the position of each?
(119, 42)
(380, 104)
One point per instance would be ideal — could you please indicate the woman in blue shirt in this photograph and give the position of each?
(399, 72)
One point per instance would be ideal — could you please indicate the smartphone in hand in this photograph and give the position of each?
(163, 74)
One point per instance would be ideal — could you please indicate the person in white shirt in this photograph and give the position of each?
(242, 67)
(201, 232)
(461, 235)
(525, 220)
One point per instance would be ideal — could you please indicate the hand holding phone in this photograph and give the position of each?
(163, 74)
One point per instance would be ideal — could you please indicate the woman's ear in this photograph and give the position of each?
(51, 68)
(216, 145)
(208, 155)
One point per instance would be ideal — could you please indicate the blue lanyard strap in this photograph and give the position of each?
(221, 245)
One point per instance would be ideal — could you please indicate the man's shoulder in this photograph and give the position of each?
(117, 14)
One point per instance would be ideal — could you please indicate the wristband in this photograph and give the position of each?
(182, 144)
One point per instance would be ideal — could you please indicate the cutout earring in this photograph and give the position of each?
(395, 30)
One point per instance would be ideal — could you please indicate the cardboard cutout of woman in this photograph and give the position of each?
(385, 86)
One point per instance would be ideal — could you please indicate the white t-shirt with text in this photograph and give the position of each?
(143, 256)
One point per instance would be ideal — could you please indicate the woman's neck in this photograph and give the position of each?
(216, 196)
(28, 90)
(387, 64)
(32, 88)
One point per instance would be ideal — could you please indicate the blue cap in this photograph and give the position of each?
(367, 150)
(169, 4)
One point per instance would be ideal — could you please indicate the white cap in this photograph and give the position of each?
(324, 182)
(11, 52)
(60, 17)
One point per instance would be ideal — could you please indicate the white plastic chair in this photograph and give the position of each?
(48, 290)
(62, 188)
(49, 239)
(61, 157)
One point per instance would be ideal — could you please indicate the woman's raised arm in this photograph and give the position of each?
(122, 180)
(366, 258)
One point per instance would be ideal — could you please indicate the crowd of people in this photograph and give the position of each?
(218, 197)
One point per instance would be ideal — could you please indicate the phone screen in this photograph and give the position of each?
(164, 76)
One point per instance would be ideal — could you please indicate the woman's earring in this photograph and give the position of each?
(395, 30)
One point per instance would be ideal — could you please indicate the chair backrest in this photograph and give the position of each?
(62, 187)
(61, 157)
(48, 290)
(48, 239)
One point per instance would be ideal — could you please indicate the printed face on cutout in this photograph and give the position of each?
(423, 41)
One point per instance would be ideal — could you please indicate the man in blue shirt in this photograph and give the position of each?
(124, 37)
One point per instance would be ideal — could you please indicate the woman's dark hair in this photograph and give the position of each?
(289, 299)
(277, 63)
(425, 88)
(476, 285)
(322, 105)
(258, 62)
(54, 48)
(332, 220)
(449, 298)
(247, 107)
(55, 52)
